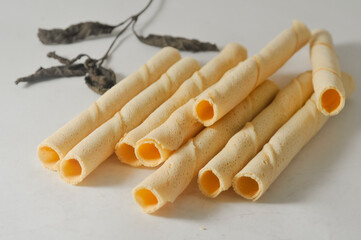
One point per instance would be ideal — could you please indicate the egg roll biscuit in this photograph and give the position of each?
(329, 90)
(256, 177)
(170, 180)
(56, 146)
(217, 175)
(221, 97)
(210, 73)
(99, 145)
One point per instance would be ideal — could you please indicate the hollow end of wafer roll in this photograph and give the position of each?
(332, 101)
(71, 171)
(151, 153)
(329, 91)
(205, 112)
(49, 157)
(247, 186)
(209, 183)
(147, 199)
(126, 154)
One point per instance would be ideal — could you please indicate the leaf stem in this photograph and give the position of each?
(134, 19)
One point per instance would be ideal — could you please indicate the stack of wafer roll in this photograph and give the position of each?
(99, 145)
(223, 122)
(169, 181)
(55, 147)
(217, 175)
(210, 73)
(220, 98)
(331, 87)
(256, 177)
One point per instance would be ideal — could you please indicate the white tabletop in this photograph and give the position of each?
(317, 197)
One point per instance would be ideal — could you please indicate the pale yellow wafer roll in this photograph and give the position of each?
(170, 180)
(161, 142)
(220, 98)
(210, 73)
(217, 175)
(155, 148)
(55, 147)
(99, 145)
(329, 91)
(256, 177)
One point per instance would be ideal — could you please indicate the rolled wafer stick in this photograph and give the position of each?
(256, 177)
(329, 91)
(170, 180)
(155, 148)
(99, 145)
(161, 142)
(220, 98)
(232, 54)
(56, 146)
(217, 175)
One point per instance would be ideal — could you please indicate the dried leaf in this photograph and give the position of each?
(54, 72)
(100, 79)
(180, 43)
(73, 33)
(97, 78)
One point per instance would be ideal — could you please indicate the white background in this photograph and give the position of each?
(317, 197)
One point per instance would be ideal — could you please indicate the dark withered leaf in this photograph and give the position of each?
(73, 33)
(100, 79)
(180, 43)
(54, 72)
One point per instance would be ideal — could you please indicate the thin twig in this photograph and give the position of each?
(134, 19)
